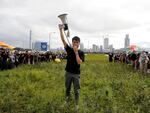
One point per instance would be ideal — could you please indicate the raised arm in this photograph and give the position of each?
(62, 35)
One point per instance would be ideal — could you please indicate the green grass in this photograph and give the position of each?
(105, 88)
(95, 57)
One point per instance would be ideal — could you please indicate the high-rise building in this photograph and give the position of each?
(81, 46)
(127, 41)
(40, 46)
(95, 48)
(111, 48)
(101, 48)
(37, 46)
(106, 43)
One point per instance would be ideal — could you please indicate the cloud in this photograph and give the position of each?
(95, 17)
(101, 23)
(144, 44)
(85, 18)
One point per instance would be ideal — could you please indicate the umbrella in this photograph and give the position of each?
(4, 45)
(132, 48)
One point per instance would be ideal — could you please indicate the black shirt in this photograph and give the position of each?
(72, 65)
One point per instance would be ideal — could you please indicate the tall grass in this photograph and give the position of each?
(105, 88)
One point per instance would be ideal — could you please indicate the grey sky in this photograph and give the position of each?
(90, 20)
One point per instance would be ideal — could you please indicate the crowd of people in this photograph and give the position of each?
(11, 59)
(138, 60)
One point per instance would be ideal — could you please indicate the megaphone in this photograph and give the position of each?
(63, 18)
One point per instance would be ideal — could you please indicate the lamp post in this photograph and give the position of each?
(49, 39)
(30, 40)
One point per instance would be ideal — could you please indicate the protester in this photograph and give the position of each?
(10, 59)
(138, 60)
(133, 58)
(74, 58)
(143, 62)
(110, 57)
(4, 56)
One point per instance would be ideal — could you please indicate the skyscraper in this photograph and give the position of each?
(81, 46)
(40, 46)
(106, 43)
(95, 48)
(127, 41)
(101, 48)
(111, 48)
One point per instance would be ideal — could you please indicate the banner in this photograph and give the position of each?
(43, 46)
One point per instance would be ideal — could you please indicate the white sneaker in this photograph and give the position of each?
(76, 108)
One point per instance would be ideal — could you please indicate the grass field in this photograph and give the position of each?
(105, 88)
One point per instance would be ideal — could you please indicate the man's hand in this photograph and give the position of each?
(75, 48)
(61, 26)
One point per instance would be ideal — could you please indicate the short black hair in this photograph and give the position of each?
(76, 38)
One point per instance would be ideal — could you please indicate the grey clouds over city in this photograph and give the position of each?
(91, 20)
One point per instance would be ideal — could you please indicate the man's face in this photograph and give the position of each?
(75, 43)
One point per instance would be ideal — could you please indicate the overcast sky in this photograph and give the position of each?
(91, 20)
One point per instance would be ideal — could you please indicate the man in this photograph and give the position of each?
(133, 58)
(4, 60)
(110, 57)
(143, 62)
(74, 58)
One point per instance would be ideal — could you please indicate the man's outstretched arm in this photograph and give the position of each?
(62, 35)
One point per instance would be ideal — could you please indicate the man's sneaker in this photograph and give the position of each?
(76, 108)
(66, 104)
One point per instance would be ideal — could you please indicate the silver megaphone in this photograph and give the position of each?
(63, 18)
